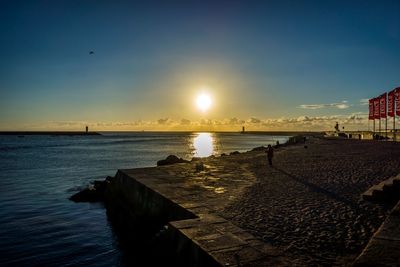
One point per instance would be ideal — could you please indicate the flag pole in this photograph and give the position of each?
(394, 126)
(373, 133)
(380, 128)
(386, 127)
(386, 115)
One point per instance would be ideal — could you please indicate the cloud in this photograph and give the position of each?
(164, 121)
(354, 121)
(185, 122)
(303, 118)
(206, 122)
(253, 120)
(233, 121)
(341, 105)
(364, 101)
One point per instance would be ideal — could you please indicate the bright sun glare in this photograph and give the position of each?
(203, 102)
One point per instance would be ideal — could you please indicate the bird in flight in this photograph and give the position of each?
(91, 53)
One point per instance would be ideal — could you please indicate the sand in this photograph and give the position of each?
(309, 203)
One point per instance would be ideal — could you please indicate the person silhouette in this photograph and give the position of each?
(337, 127)
(270, 154)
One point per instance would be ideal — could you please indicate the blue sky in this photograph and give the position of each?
(266, 64)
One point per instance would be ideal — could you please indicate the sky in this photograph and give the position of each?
(267, 65)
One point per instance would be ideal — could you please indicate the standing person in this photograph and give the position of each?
(337, 127)
(270, 154)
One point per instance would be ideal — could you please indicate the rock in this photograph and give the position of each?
(260, 148)
(93, 193)
(171, 159)
(86, 195)
(199, 167)
(100, 186)
(223, 155)
(234, 153)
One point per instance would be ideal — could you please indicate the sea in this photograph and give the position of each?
(40, 226)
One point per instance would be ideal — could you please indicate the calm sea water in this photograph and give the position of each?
(39, 226)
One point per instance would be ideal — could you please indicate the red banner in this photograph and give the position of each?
(397, 100)
(371, 109)
(382, 104)
(390, 103)
(376, 108)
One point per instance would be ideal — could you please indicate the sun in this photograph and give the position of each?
(203, 102)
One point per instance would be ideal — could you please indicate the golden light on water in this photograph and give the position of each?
(203, 145)
(203, 102)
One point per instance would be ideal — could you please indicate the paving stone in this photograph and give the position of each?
(218, 241)
(228, 227)
(185, 223)
(200, 210)
(211, 218)
(237, 256)
(200, 232)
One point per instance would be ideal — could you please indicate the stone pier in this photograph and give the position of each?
(187, 198)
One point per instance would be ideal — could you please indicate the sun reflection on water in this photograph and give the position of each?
(203, 144)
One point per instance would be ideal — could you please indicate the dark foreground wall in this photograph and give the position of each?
(139, 213)
(131, 202)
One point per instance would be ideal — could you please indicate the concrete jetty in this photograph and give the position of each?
(187, 197)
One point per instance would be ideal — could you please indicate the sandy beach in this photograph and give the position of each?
(309, 203)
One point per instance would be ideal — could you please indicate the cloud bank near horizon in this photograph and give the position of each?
(354, 121)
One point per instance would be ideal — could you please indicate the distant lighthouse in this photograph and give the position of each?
(243, 129)
(87, 129)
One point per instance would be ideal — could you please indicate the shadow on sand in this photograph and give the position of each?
(317, 189)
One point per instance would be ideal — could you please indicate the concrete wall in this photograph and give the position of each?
(138, 212)
(132, 205)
